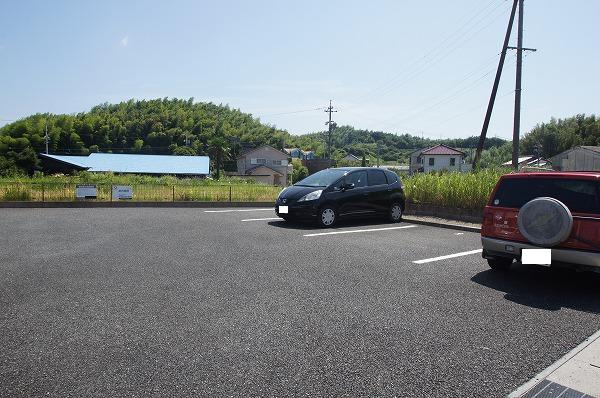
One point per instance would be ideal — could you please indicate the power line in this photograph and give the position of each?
(292, 112)
(446, 99)
(449, 98)
(416, 69)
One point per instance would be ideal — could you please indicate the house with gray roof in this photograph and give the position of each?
(579, 158)
(265, 164)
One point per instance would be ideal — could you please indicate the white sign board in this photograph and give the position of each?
(122, 192)
(86, 191)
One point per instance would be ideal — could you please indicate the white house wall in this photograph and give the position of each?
(442, 162)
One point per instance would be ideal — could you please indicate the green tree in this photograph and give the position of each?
(299, 172)
(218, 148)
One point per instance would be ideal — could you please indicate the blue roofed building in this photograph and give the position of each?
(198, 166)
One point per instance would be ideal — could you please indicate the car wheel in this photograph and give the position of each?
(500, 264)
(395, 212)
(327, 216)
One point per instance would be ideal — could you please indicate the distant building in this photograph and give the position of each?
(265, 164)
(294, 153)
(308, 155)
(529, 161)
(297, 153)
(128, 164)
(437, 158)
(579, 158)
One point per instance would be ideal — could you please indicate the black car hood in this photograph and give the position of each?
(295, 192)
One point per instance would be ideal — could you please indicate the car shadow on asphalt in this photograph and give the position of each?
(308, 225)
(545, 288)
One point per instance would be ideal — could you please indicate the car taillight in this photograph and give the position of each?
(488, 218)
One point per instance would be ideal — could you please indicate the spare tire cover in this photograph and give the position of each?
(545, 221)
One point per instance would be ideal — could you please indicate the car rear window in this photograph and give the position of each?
(376, 177)
(391, 177)
(580, 196)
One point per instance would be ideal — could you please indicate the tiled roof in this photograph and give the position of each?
(441, 150)
(262, 165)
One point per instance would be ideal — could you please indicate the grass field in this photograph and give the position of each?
(463, 190)
(145, 188)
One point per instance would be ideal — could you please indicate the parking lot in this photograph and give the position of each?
(235, 302)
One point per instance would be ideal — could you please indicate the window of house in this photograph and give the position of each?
(261, 161)
(452, 161)
(431, 161)
(276, 162)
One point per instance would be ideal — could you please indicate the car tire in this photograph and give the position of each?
(395, 212)
(500, 264)
(327, 216)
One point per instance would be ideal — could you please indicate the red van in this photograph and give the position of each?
(559, 211)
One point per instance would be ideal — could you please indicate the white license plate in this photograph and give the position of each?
(283, 210)
(536, 256)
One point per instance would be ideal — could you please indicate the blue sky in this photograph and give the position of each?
(418, 67)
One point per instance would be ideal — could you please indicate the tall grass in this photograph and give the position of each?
(123, 179)
(65, 191)
(16, 193)
(462, 190)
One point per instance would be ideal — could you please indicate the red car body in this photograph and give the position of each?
(501, 238)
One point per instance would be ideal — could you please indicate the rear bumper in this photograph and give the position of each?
(494, 248)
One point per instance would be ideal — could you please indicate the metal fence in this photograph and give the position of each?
(66, 192)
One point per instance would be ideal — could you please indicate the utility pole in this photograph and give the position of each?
(488, 114)
(378, 153)
(517, 120)
(331, 125)
(46, 137)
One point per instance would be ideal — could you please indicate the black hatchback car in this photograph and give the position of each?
(343, 192)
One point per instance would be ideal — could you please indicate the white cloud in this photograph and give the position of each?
(125, 41)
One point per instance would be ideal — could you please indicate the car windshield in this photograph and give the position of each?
(323, 178)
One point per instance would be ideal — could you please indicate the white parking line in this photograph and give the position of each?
(263, 219)
(354, 231)
(229, 211)
(429, 260)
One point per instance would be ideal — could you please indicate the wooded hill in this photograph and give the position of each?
(183, 127)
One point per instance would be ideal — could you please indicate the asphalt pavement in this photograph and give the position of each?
(145, 302)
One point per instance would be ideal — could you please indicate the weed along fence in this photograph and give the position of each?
(66, 192)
